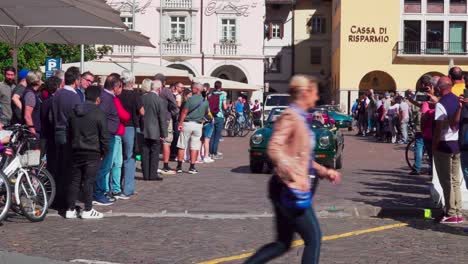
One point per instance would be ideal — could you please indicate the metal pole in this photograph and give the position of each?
(160, 31)
(15, 50)
(133, 27)
(82, 59)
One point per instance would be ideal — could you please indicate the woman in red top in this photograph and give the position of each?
(116, 170)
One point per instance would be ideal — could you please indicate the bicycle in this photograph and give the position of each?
(29, 192)
(410, 155)
(5, 196)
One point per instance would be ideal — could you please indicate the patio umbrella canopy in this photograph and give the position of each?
(64, 22)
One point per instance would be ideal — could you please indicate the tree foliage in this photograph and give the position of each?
(32, 56)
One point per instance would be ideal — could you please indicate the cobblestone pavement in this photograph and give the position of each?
(223, 211)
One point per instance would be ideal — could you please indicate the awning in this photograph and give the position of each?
(227, 84)
(141, 70)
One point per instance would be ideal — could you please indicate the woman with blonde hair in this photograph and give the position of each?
(291, 189)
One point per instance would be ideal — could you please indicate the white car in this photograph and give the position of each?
(273, 101)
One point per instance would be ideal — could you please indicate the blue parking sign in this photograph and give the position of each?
(51, 65)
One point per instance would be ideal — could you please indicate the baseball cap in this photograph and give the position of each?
(22, 74)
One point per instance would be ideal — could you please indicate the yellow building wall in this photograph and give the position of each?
(303, 41)
(356, 59)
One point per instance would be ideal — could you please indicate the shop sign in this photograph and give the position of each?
(368, 34)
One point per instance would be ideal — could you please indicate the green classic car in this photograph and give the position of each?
(328, 147)
(341, 120)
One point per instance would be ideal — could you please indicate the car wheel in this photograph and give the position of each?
(350, 129)
(339, 162)
(256, 166)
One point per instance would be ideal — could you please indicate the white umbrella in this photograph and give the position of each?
(227, 84)
(141, 69)
(64, 22)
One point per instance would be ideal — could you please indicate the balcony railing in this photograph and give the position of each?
(431, 48)
(121, 49)
(176, 48)
(228, 49)
(178, 4)
(412, 7)
(458, 8)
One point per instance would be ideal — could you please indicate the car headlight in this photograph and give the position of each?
(257, 139)
(324, 141)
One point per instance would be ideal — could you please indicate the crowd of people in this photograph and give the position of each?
(437, 113)
(92, 130)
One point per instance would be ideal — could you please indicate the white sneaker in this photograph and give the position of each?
(71, 214)
(91, 214)
(208, 160)
(159, 171)
(393, 139)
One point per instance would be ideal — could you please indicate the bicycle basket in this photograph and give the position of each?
(31, 153)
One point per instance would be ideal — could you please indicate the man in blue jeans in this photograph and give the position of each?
(102, 195)
(217, 102)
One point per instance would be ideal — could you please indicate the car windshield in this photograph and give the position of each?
(277, 101)
(335, 108)
(318, 118)
(274, 114)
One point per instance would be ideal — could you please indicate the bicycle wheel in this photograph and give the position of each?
(31, 197)
(244, 130)
(5, 196)
(47, 180)
(410, 154)
(230, 127)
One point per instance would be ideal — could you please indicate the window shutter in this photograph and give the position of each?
(270, 30)
(324, 26)
(281, 30)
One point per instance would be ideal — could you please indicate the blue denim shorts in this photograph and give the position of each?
(208, 130)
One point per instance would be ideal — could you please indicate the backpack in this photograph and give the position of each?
(213, 102)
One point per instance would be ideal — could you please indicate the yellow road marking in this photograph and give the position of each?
(298, 243)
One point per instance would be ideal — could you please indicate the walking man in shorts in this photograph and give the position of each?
(191, 126)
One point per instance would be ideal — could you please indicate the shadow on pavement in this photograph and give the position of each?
(241, 169)
(394, 189)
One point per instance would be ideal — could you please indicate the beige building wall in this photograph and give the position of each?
(304, 40)
(368, 32)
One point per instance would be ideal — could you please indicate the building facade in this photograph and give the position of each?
(312, 42)
(389, 45)
(216, 38)
(278, 49)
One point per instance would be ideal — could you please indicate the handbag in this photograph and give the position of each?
(296, 199)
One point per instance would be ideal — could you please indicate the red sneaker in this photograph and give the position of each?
(460, 220)
(449, 220)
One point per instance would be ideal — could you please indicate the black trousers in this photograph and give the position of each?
(83, 175)
(150, 159)
(289, 221)
(62, 175)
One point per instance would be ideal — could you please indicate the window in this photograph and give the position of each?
(435, 37)
(412, 37)
(128, 21)
(458, 6)
(457, 37)
(317, 25)
(315, 55)
(435, 6)
(275, 30)
(178, 27)
(228, 29)
(273, 64)
(412, 6)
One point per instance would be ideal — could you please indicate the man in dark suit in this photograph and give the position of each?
(154, 131)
